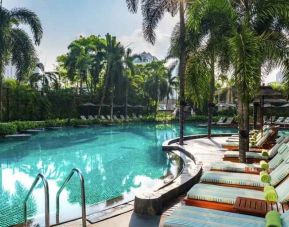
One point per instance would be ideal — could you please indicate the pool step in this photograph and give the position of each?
(110, 213)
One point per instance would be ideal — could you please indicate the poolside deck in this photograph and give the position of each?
(204, 150)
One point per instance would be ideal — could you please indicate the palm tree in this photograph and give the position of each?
(156, 85)
(153, 12)
(44, 80)
(260, 40)
(114, 53)
(129, 70)
(172, 81)
(256, 36)
(15, 44)
(78, 61)
(214, 26)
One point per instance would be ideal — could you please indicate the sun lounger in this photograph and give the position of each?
(223, 198)
(122, 118)
(109, 118)
(228, 122)
(95, 117)
(140, 116)
(247, 180)
(279, 121)
(227, 166)
(255, 156)
(221, 120)
(190, 216)
(263, 142)
(83, 118)
(134, 117)
(270, 120)
(90, 117)
(103, 118)
(115, 118)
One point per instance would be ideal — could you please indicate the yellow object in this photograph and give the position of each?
(273, 219)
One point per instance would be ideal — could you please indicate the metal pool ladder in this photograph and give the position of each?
(46, 193)
(83, 207)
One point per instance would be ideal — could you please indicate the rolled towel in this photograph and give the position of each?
(270, 195)
(265, 177)
(273, 219)
(265, 153)
(264, 165)
(268, 188)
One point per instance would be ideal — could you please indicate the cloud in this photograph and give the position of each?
(138, 44)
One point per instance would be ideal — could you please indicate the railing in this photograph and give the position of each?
(46, 193)
(82, 195)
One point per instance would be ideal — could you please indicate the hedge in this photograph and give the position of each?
(7, 129)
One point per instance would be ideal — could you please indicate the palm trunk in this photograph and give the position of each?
(126, 101)
(104, 91)
(243, 110)
(211, 97)
(167, 101)
(111, 104)
(182, 68)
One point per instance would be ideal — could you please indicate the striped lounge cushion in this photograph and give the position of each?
(221, 194)
(232, 166)
(232, 178)
(285, 219)
(234, 154)
(189, 216)
(280, 173)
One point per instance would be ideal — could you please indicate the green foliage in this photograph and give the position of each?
(7, 128)
(56, 123)
(25, 125)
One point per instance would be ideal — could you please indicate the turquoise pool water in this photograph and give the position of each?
(115, 161)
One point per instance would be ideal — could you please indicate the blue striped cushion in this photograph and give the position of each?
(280, 173)
(234, 154)
(283, 191)
(232, 166)
(189, 216)
(232, 178)
(274, 162)
(285, 219)
(221, 194)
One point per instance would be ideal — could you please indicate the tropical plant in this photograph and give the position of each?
(171, 80)
(153, 12)
(113, 75)
(129, 72)
(256, 37)
(15, 44)
(156, 84)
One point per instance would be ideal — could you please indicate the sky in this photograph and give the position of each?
(65, 20)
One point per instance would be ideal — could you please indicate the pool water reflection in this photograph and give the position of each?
(115, 161)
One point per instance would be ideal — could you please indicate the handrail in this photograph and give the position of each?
(46, 192)
(75, 170)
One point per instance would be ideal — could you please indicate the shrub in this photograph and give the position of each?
(56, 123)
(25, 125)
(7, 128)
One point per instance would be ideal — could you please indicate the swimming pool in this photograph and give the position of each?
(116, 161)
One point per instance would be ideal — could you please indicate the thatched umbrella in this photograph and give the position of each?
(265, 95)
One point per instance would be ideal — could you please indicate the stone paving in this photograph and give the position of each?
(204, 150)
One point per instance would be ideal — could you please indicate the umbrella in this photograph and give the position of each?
(88, 104)
(268, 105)
(139, 106)
(102, 105)
(285, 105)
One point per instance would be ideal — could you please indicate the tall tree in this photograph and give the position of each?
(15, 44)
(156, 84)
(153, 12)
(129, 72)
(172, 80)
(114, 53)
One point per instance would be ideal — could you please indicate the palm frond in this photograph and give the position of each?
(24, 16)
